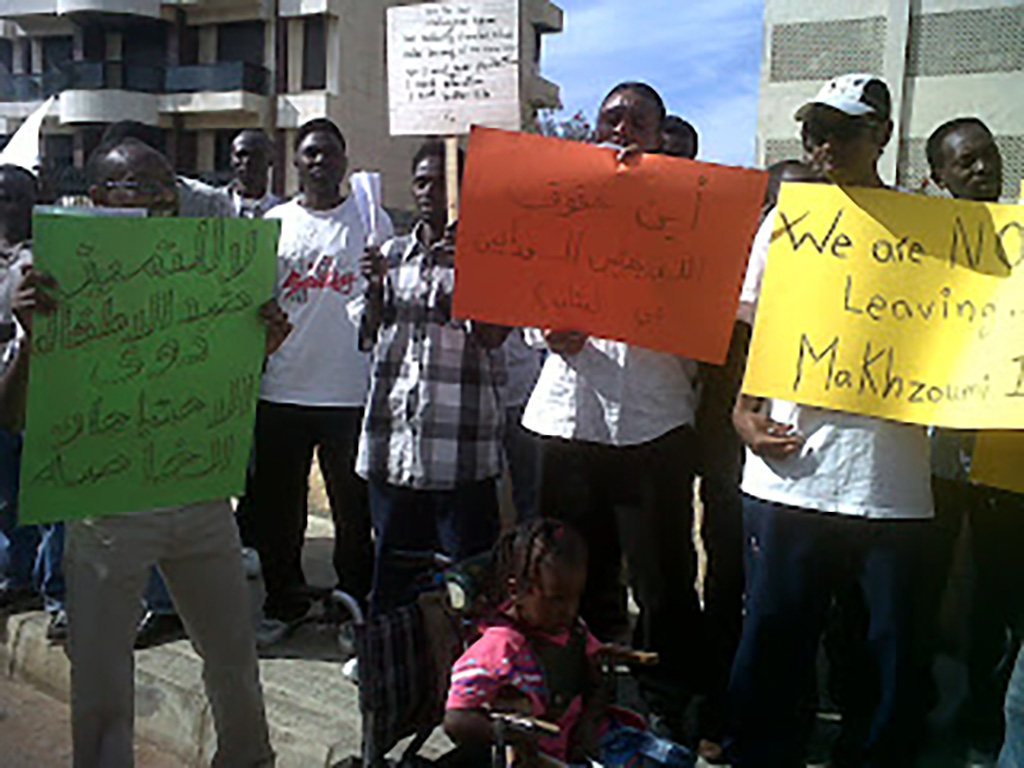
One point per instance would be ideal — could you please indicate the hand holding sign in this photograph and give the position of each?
(143, 382)
(893, 305)
(651, 251)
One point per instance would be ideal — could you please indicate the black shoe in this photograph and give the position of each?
(157, 629)
(19, 600)
(57, 629)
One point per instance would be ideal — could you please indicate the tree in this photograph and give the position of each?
(575, 128)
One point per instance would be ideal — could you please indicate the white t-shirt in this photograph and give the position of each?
(849, 464)
(318, 254)
(611, 393)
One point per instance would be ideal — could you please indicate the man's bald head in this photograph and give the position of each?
(131, 174)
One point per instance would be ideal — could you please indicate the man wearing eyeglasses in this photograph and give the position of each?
(831, 499)
(197, 548)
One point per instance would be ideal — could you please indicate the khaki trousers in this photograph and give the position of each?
(107, 563)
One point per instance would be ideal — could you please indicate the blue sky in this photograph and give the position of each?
(703, 56)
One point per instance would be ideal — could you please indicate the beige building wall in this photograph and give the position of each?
(355, 94)
(941, 58)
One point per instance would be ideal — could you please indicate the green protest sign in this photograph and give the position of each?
(143, 384)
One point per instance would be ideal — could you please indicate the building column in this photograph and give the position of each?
(36, 47)
(332, 29)
(18, 64)
(291, 176)
(895, 74)
(208, 44)
(205, 151)
(296, 32)
(114, 46)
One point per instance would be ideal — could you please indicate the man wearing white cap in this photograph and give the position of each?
(830, 499)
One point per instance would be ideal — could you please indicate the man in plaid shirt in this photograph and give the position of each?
(431, 441)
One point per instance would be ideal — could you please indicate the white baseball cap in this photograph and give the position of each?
(857, 95)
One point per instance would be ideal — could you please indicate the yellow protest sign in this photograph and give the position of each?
(998, 460)
(893, 305)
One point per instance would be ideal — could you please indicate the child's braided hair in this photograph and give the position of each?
(521, 550)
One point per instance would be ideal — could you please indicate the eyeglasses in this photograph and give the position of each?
(149, 188)
(817, 133)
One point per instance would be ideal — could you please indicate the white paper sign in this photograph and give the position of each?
(452, 65)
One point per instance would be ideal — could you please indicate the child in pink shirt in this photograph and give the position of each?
(536, 657)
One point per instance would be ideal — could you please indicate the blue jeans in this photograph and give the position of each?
(797, 559)
(157, 597)
(460, 523)
(1012, 755)
(30, 555)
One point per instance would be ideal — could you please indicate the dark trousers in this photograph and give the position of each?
(460, 523)
(273, 518)
(721, 469)
(797, 559)
(996, 521)
(636, 500)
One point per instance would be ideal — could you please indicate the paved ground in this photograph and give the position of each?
(35, 732)
(313, 711)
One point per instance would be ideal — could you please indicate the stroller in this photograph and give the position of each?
(405, 656)
(405, 659)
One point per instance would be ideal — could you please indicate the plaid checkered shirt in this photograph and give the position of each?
(434, 417)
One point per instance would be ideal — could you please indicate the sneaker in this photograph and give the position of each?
(57, 629)
(157, 629)
(271, 631)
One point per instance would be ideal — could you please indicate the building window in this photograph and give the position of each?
(822, 49)
(6, 56)
(57, 53)
(187, 155)
(314, 54)
(222, 150)
(94, 43)
(145, 44)
(188, 46)
(241, 41)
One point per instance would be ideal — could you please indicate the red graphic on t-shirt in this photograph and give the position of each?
(300, 281)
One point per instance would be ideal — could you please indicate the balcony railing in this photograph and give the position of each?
(225, 76)
(31, 87)
(103, 75)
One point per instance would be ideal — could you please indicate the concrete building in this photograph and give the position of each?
(942, 59)
(200, 70)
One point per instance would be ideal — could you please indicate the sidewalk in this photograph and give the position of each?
(313, 711)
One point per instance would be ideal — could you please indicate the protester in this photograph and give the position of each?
(30, 555)
(196, 547)
(196, 199)
(537, 657)
(431, 440)
(618, 462)
(827, 494)
(160, 622)
(679, 138)
(782, 171)
(966, 162)
(314, 387)
(251, 158)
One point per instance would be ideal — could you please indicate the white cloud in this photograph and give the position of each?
(702, 55)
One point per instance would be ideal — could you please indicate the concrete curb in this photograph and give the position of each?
(313, 712)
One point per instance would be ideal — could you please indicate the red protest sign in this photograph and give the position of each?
(556, 234)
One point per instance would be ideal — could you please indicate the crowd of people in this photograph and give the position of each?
(815, 523)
